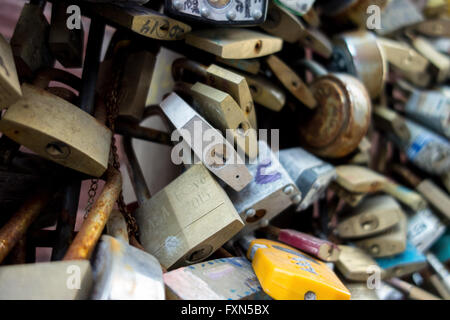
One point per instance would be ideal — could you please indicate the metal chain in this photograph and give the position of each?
(91, 195)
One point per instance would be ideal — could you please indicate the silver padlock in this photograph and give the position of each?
(424, 229)
(271, 191)
(311, 175)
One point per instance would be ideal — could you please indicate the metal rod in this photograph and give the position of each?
(134, 130)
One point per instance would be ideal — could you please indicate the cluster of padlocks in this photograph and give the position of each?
(312, 138)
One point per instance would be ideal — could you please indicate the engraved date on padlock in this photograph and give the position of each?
(224, 12)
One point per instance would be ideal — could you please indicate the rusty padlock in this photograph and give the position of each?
(342, 117)
(56, 129)
(10, 90)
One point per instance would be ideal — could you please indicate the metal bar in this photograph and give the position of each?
(84, 243)
(134, 130)
(17, 226)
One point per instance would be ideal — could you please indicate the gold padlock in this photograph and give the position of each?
(359, 179)
(142, 20)
(434, 28)
(222, 111)
(342, 116)
(186, 221)
(355, 264)
(65, 44)
(291, 81)
(234, 43)
(389, 243)
(29, 41)
(10, 90)
(220, 78)
(57, 130)
(373, 216)
(249, 65)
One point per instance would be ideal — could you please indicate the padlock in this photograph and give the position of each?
(135, 80)
(57, 130)
(342, 116)
(122, 272)
(386, 291)
(358, 53)
(439, 268)
(433, 8)
(411, 291)
(359, 179)
(291, 81)
(222, 79)
(288, 274)
(356, 265)
(218, 156)
(359, 291)
(434, 28)
(388, 243)
(65, 44)
(229, 43)
(220, 279)
(284, 24)
(297, 7)
(427, 150)
(252, 66)
(405, 195)
(311, 175)
(358, 13)
(351, 198)
(29, 42)
(373, 216)
(409, 261)
(10, 90)
(186, 221)
(225, 12)
(46, 281)
(397, 15)
(268, 194)
(142, 20)
(389, 121)
(222, 111)
(424, 229)
(319, 248)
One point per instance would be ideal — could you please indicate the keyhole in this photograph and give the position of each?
(258, 46)
(57, 150)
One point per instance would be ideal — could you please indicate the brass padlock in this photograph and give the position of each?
(142, 20)
(65, 44)
(388, 243)
(351, 198)
(10, 90)
(231, 43)
(222, 111)
(220, 279)
(57, 130)
(358, 13)
(291, 81)
(389, 121)
(270, 192)
(252, 66)
(311, 175)
(358, 53)
(355, 264)
(46, 281)
(424, 229)
(359, 291)
(359, 179)
(29, 42)
(434, 28)
(342, 116)
(409, 261)
(186, 221)
(220, 78)
(218, 156)
(134, 84)
(373, 216)
(405, 195)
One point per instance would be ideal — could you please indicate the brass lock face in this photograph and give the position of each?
(58, 131)
(282, 23)
(359, 179)
(142, 20)
(359, 54)
(10, 90)
(66, 45)
(373, 216)
(390, 121)
(219, 12)
(29, 42)
(250, 65)
(268, 194)
(339, 122)
(354, 263)
(231, 43)
(188, 220)
(391, 242)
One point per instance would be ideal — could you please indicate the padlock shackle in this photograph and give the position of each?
(179, 66)
(134, 170)
(316, 69)
(44, 77)
(84, 243)
(117, 226)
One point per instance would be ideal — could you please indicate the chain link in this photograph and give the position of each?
(91, 195)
